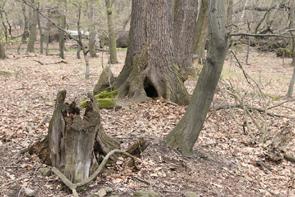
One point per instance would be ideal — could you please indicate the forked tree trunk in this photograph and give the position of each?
(201, 30)
(185, 134)
(62, 24)
(112, 36)
(32, 29)
(92, 32)
(185, 14)
(150, 68)
(73, 141)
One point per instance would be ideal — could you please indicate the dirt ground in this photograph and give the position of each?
(226, 156)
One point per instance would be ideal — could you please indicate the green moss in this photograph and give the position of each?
(5, 73)
(284, 52)
(104, 99)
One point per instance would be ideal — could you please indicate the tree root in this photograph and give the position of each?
(74, 186)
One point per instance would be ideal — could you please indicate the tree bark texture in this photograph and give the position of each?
(74, 142)
(185, 14)
(32, 29)
(185, 134)
(112, 35)
(2, 49)
(201, 30)
(92, 32)
(150, 68)
(62, 24)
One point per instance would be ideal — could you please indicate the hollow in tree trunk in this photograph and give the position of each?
(150, 68)
(112, 36)
(185, 14)
(186, 132)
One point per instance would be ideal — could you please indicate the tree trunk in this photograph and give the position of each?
(2, 49)
(185, 134)
(32, 29)
(185, 14)
(292, 41)
(92, 32)
(40, 30)
(112, 36)
(201, 30)
(62, 24)
(150, 68)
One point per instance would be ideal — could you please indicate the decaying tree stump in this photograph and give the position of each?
(74, 142)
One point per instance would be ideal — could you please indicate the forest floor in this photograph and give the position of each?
(229, 158)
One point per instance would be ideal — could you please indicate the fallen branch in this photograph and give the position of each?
(260, 110)
(59, 62)
(74, 186)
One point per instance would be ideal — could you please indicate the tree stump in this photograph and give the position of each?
(74, 141)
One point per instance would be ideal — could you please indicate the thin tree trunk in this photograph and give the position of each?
(32, 29)
(2, 50)
(201, 30)
(40, 30)
(185, 14)
(185, 134)
(292, 25)
(150, 68)
(112, 36)
(62, 24)
(47, 34)
(92, 32)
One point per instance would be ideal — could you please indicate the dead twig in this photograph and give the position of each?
(74, 186)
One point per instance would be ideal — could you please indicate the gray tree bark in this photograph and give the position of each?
(62, 24)
(292, 25)
(92, 32)
(150, 68)
(2, 49)
(201, 30)
(185, 14)
(186, 133)
(112, 36)
(32, 29)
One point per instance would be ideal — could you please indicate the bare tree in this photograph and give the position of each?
(186, 133)
(92, 32)
(62, 24)
(292, 25)
(32, 28)
(112, 36)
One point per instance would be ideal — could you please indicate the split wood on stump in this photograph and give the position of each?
(74, 142)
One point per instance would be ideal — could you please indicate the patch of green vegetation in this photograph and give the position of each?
(284, 52)
(273, 97)
(105, 99)
(5, 73)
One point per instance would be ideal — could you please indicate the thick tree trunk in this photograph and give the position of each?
(62, 24)
(2, 50)
(112, 36)
(32, 29)
(150, 68)
(201, 30)
(186, 133)
(185, 14)
(92, 32)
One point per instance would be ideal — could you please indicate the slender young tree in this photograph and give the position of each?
(292, 25)
(112, 36)
(62, 24)
(185, 134)
(150, 68)
(92, 32)
(32, 29)
(185, 14)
